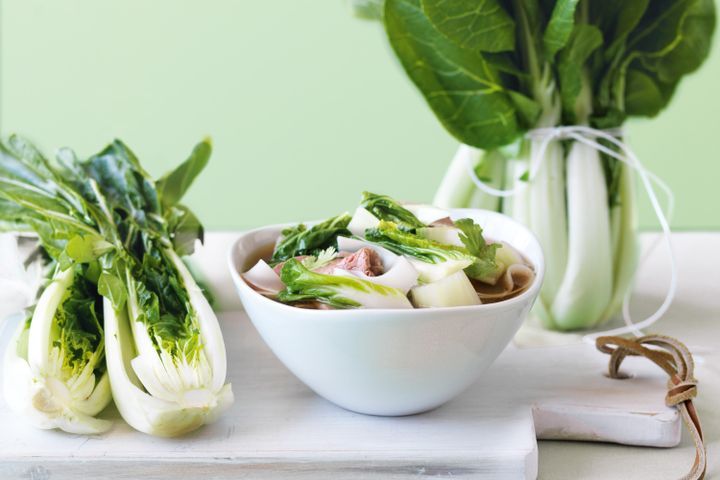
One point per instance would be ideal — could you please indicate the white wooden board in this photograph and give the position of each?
(278, 428)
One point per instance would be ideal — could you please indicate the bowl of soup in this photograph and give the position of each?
(381, 357)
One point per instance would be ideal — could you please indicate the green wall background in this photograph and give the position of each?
(305, 104)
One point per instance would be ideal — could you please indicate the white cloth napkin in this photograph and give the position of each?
(18, 285)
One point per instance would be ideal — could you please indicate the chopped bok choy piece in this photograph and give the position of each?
(264, 279)
(435, 260)
(338, 291)
(446, 235)
(385, 208)
(452, 291)
(427, 214)
(401, 275)
(432, 260)
(352, 245)
(398, 271)
(505, 255)
(484, 267)
(361, 221)
(300, 240)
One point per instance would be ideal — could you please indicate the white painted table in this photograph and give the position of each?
(280, 429)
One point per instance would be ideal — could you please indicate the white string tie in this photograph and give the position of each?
(589, 136)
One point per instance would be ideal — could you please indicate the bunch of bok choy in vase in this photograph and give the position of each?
(122, 317)
(500, 74)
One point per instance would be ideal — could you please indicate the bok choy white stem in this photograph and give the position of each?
(586, 286)
(55, 372)
(452, 291)
(456, 186)
(167, 386)
(547, 214)
(337, 291)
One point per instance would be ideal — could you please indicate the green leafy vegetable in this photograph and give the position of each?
(79, 334)
(323, 258)
(55, 365)
(385, 208)
(164, 349)
(303, 285)
(560, 26)
(484, 264)
(464, 90)
(388, 235)
(391, 255)
(300, 240)
(584, 41)
(476, 258)
(112, 288)
(172, 187)
(481, 65)
(488, 28)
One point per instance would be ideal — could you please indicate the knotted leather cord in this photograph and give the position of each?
(673, 357)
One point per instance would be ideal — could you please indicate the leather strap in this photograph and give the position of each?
(673, 357)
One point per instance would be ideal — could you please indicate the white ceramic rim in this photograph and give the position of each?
(353, 313)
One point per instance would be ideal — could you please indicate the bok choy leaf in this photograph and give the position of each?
(300, 240)
(484, 265)
(338, 291)
(385, 208)
(435, 260)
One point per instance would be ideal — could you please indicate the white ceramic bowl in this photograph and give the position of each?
(389, 362)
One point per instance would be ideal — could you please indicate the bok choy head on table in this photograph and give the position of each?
(157, 343)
